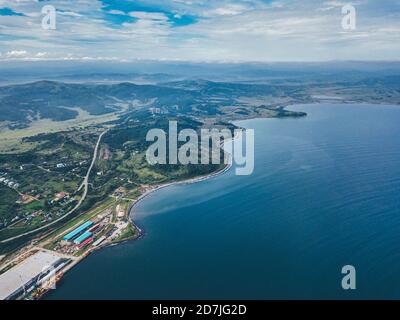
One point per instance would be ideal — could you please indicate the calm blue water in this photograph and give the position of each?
(325, 193)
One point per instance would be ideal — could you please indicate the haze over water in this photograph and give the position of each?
(324, 194)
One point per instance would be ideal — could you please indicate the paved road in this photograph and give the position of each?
(85, 191)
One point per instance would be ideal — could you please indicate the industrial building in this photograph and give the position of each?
(85, 243)
(77, 231)
(99, 241)
(83, 237)
(28, 274)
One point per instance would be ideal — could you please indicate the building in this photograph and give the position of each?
(120, 212)
(27, 274)
(99, 241)
(77, 231)
(59, 196)
(83, 237)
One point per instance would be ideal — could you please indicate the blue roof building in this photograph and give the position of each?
(78, 230)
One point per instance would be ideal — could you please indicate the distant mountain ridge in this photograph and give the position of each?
(20, 104)
(54, 100)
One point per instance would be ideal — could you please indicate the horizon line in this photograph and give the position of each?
(139, 60)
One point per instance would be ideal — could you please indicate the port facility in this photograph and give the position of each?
(27, 274)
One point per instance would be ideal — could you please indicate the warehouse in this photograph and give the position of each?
(26, 274)
(83, 237)
(78, 230)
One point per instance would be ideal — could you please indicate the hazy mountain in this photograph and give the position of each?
(181, 89)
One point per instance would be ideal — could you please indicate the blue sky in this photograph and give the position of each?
(200, 30)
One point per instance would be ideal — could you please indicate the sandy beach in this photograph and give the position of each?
(162, 186)
(226, 168)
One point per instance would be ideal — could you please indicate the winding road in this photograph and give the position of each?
(84, 185)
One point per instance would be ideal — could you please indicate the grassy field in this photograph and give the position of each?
(129, 233)
(12, 140)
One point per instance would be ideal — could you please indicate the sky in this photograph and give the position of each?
(200, 30)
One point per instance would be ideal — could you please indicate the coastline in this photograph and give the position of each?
(152, 189)
(130, 218)
(227, 165)
(131, 207)
(155, 188)
(169, 184)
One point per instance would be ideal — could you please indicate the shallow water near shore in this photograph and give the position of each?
(324, 194)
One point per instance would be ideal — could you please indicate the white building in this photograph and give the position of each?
(26, 274)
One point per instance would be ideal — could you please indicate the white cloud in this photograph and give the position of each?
(41, 54)
(228, 10)
(226, 30)
(148, 15)
(16, 54)
(69, 13)
(117, 12)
